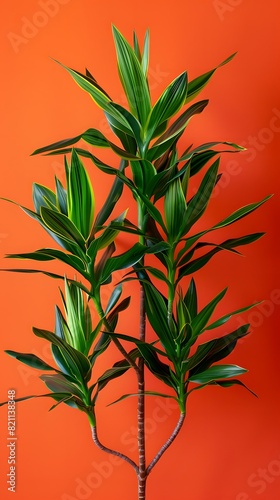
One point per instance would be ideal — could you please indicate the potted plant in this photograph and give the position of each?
(165, 252)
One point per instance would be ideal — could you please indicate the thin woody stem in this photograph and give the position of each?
(142, 476)
(168, 443)
(112, 452)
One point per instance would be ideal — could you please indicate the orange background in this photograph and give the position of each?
(229, 448)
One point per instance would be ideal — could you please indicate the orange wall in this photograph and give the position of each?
(229, 448)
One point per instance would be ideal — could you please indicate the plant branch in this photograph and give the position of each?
(112, 452)
(168, 443)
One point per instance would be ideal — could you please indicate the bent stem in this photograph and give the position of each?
(168, 443)
(112, 452)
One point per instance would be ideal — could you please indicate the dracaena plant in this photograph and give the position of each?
(147, 137)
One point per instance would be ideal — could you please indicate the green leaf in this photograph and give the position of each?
(157, 314)
(79, 362)
(157, 367)
(30, 360)
(40, 195)
(136, 46)
(180, 123)
(132, 78)
(146, 53)
(112, 198)
(113, 299)
(105, 257)
(61, 328)
(224, 319)
(214, 350)
(157, 151)
(51, 275)
(91, 136)
(190, 299)
(168, 104)
(147, 393)
(156, 273)
(80, 197)
(199, 160)
(123, 261)
(198, 84)
(240, 213)
(199, 202)
(230, 383)
(229, 245)
(217, 372)
(201, 320)
(153, 211)
(61, 225)
(118, 369)
(61, 196)
(57, 383)
(45, 254)
(137, 342)
(109, 234)
(74, 309)
(205, 147)
(99, 96)
(131, 120)
(127, 140)
(49, 395)
(175, 208)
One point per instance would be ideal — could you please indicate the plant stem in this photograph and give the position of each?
(168, 443)
(109, 450)
(142, 475)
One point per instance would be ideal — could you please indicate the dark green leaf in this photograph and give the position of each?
(123, 261)
(56, 395)
(199, 202)
(240, 213)
(196, 85)
(217, 372)
(225, 318)
(230, 244)
(180, 123)
(61, 225)
(156, 309)
(40, 196)
(190, 299)
(200, 321)
(79, 362)
(61, 195)
(114, 298)
(112, 198)
(153, 211)
(58, 383)
(30, 360)
(206, 147)
(147, 393)
(214, 350)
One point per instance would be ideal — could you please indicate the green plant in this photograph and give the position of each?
(163, 261)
